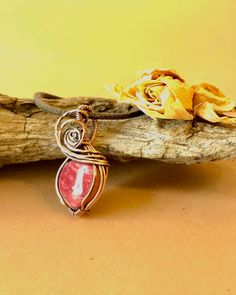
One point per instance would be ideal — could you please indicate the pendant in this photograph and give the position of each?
(82, 176)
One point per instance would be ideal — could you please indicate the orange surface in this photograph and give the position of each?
(158, 229)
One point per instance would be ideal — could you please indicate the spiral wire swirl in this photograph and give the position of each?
(73, 139)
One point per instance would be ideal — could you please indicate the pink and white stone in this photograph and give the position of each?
(75, 180)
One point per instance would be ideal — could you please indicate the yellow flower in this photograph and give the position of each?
(164, 94)
(159, 94)
(212, 105)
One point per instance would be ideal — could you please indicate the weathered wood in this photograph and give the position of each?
(27, 134)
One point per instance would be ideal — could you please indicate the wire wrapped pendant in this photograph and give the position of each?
(82, 176)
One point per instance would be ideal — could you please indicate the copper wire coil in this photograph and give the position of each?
(81, 149)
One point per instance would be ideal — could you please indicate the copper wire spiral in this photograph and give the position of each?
(73, 138)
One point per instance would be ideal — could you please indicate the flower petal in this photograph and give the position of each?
(164, 94)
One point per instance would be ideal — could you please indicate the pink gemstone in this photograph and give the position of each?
(74, 182)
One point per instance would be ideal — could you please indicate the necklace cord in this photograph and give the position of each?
(40, 99)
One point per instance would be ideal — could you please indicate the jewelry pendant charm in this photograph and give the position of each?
(81, 178)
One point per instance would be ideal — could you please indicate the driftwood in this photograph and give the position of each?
(27, 134)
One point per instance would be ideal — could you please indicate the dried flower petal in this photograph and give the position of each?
(212, 105)
(164, 94)
(159, 94)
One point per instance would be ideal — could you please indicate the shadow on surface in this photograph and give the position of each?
(130, 185)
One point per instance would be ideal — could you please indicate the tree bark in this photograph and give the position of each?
(27, 134)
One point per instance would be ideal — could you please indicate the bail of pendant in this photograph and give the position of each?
(82, 176)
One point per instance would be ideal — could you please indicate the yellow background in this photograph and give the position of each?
(77, 46)
(159, 229)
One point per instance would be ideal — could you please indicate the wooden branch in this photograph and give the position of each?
(27, 134)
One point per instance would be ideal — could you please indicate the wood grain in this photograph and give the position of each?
(27, 134)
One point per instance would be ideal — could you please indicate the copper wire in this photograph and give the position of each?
(77, 148)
